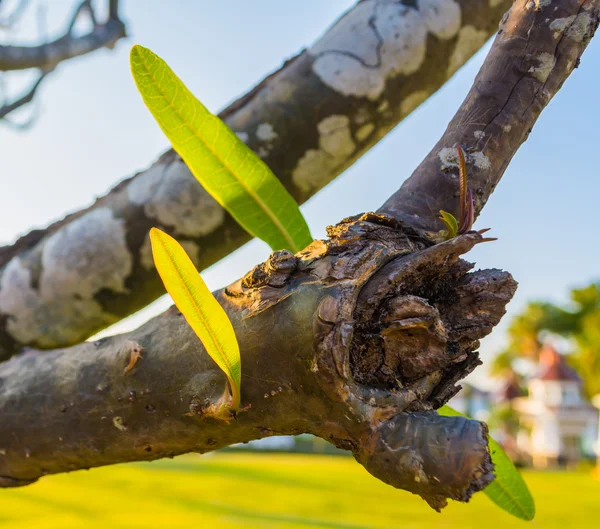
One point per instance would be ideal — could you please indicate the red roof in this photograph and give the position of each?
(554, 367)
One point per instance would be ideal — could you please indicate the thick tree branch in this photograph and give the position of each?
(309, 121)
(539, 44)
(47, 56)
(300, 323)
(356, 339)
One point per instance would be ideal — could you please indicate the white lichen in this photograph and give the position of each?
(82, 258)
(575, 27)
(173, 197)
(480, 160)
(335, 147)
(266, 132)
(546, 63)
(478, 134)
(334, 136)
(581, 28)
(507, 128)
(441, 16)
(470, 39)
(448, 157)
(558, 25)
(242, 136)
(86, 255)
(350, 58)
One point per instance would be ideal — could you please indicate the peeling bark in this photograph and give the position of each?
(371, 69)
(312, 310)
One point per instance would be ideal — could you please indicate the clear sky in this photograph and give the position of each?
(93, 131)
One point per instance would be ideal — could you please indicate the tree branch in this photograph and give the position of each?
(47, 56)
(25, 99)
(535, 51)
(356, 339)
(367, 72)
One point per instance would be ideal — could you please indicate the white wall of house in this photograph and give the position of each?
(596, 402)
(561, 422)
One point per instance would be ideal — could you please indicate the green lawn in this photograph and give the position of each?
(233, 490)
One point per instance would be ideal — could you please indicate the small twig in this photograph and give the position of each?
(27, 98)
(85, 6)
(47, 56)
(11, 20)
(50, 54)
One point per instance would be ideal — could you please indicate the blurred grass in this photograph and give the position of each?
(229, 490)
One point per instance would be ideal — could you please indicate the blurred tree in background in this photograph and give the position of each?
(578, 321)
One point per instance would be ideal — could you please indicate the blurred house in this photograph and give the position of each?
(546, 422)
(559, 426)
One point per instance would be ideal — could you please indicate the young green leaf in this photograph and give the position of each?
(509, 490)
(199, 307)
(451, 224)
(229, 170)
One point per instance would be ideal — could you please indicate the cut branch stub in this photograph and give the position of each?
(396, 325)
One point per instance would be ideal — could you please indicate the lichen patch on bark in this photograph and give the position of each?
(82, 258)
(335, 147)
(170, 194)
(545, 64)
(352, 58)
(266, 132)
(412, 101)
(470, 39)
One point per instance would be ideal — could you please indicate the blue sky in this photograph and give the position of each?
(93, 130)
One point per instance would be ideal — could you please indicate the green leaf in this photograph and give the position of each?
(199, 307)
(450, 222)
(229, 170)
(509, 490)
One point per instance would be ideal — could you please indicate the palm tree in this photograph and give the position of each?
(578, 321)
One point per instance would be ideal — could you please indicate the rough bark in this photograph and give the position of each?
(309, 121)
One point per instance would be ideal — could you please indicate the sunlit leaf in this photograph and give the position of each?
(199, 307)
(509, 490)
(229, 170)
